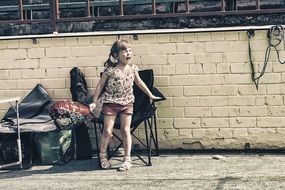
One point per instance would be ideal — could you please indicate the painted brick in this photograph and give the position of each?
(175, 113)
(223, 68)
(176, 38)
(188, 123)
(14, 54)
(225, 90)
(241, 101)
(270, 122)
(209, 68)
(162, 81)
(45, 42)
(70, 42)
(36, 53)
(97, 40)
(181, 59)
(196, 68)
(4, 74)
(181, 69)
(3, 44)
(209, 79)
(149, 38)
(231, 35)
(206, 78)
(213, 101)
(168, 69)
(243, 122)
(214, 122)
(198, 133)
(185, 133)
(226, 133)
(83, 41)
(185, 101)
(274, 100)
(27, 73)
(276, 111)
(204, 36)
(52, 73)
(163, 38)
(237, 68)
(84, 51)
(58, 52)
(27, 84)
(208, 58)
(157, 50)
(141, 49)
(15, 74)
(165, 123)
(243, 132)
(196, 90)
(13, 44)
(28, 43)
(201, 112)
(39, 73)
(190, 37)
(154, 59)
(26, 63)
(225, 111)
(57, 42)
(181, 80)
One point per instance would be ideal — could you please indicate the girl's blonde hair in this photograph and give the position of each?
(118, 45)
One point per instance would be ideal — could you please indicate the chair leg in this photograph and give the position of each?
(156, 138)
(148, 143)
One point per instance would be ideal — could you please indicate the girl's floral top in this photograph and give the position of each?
(119, 85)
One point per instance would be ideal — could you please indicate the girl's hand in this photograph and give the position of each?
(155, 97)
(92, 106)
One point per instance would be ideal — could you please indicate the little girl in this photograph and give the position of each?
(118, 78)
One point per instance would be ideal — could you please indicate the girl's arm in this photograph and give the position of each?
(139, 82)
(98, 90)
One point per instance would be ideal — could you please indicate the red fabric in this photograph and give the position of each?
(71, 106)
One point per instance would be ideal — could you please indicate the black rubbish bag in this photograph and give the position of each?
(79, 91)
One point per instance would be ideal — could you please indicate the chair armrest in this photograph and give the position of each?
(156, 92)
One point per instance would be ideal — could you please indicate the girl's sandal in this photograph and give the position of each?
(105, 163)
(127, 164)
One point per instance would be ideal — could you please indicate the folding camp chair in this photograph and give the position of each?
(144, 112)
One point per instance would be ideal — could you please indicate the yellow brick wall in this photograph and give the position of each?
(206, 77)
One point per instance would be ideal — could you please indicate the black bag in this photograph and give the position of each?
(79, 91)
(36, 103)
(78, 86)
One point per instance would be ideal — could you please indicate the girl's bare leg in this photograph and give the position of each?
(127, 141)
(126, 134)
(105, 139)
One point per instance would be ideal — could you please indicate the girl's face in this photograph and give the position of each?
(125, 56)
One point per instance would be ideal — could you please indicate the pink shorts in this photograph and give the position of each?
(114, 109)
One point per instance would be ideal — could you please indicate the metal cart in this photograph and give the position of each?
(19, 162)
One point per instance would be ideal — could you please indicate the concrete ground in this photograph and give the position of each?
(169, 171)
